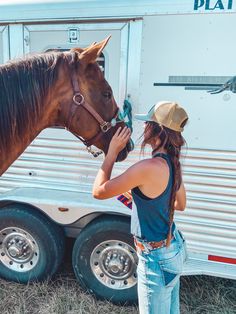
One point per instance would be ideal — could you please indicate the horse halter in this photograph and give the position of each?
(105, 126)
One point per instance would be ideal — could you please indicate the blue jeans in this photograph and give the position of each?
(159, 273)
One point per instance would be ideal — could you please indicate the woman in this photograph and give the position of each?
(157, 190)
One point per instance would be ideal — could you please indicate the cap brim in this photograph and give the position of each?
(142, 117)
(145, 117)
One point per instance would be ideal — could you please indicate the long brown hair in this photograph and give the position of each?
(172, 142)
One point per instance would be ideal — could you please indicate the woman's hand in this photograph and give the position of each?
(119, 141)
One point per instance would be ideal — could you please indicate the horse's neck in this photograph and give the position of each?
(9, 156)
(20, 144)
(49, 117)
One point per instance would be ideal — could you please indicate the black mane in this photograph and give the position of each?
(24, 84)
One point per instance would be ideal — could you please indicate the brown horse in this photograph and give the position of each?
(56, 89)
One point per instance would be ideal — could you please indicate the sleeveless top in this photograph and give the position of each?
(150, 216)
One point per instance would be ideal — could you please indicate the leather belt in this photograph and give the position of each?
(145, 246)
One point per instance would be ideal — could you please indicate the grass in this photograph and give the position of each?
(199, 295)
(63, 295)
(208, 295)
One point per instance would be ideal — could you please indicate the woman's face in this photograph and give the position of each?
(148, 135)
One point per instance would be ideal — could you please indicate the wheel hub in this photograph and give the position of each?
(18, 249)
(114, 264)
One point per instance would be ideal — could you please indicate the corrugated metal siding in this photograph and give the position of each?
(209, 222)
(55, 160)
(51, 163)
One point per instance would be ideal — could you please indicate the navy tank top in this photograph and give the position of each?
(150, 216)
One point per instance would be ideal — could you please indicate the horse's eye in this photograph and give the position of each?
(107, 94)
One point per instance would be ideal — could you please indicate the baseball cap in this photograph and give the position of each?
(166, 113)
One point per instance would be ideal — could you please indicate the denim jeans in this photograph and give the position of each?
(159, 273)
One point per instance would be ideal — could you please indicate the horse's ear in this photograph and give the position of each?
(90, 54)
(79, 50)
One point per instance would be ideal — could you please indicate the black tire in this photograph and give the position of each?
(114, 244)
(43, 244)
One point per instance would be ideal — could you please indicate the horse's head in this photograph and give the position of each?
(89, 109)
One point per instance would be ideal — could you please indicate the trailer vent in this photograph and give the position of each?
(195, 82)
(199, 79)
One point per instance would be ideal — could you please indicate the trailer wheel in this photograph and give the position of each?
(31, 246)
(105, 261)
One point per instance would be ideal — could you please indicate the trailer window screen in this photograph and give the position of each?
(100, 60)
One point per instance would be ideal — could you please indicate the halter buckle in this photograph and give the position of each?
(81, 99)
(105, 126)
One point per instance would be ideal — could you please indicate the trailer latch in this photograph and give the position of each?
(73, 35)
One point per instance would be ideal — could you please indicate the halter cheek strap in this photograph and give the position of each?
(78, 100)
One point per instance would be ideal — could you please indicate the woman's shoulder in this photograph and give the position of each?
(150, 172)
(149, 163)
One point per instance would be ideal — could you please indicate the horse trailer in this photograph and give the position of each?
(166, 49)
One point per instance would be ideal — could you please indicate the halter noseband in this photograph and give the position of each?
(78, 100)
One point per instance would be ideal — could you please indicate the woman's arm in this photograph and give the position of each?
(136, 175)
(105, 188)
(180, 199)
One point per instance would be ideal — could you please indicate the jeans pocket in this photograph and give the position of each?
(172, 268)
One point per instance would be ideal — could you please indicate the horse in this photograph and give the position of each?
(63, 89)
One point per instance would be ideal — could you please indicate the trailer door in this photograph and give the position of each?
(56, 149)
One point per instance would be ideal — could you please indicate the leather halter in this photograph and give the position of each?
(79, 100)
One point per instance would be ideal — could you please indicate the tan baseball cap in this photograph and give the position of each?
(166, 113)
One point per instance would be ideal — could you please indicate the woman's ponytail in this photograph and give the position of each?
(174, 152)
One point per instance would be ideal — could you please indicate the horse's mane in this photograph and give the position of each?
(24, 84)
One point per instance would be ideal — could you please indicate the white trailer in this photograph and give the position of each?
(159, 50)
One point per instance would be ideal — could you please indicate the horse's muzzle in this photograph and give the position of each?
(124, 153)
